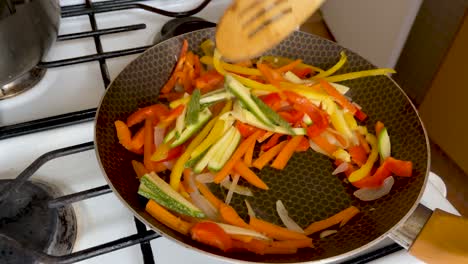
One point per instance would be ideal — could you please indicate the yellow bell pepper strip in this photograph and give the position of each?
(350, 121)
(367, 167)
(342, 155)
(232, 67)
(360, 74)
(215, 134)
(281, 61)
(207, 47)
(217, 62)
(338, 97)
(181, 101)
(333, 69)
(339, 123)
(179, 166)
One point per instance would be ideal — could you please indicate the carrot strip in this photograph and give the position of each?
(271, 142)
(265, 136)
(299, 243)
(243, 238)
(123, 134)
(324, 144)
(378, 127)
(249, 175)
(266, 157)
(235, 157)
(289, 67)
(280, 250)
(183, 192)
(342, 217)
(139, 139)
(208, 194)
(139, 168)
(249, 154)
(303, 145)
(286, 153)
(168, 219)
(186, 180)
(274, 231)
(255, 245)
(149, 145)
(343, 101)
(230, 216)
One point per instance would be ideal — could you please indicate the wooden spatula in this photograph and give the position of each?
(250, 27)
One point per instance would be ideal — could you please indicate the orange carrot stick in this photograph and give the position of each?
(274, 231)
(363, 143)
(168, 219)
(208, 194)
(343, 101)
(256, 246)
(265, 136)
(230, 216)
(286, 153)
(289, 66)
(266, 157)
(249, 175)
(324, 144)
(358, 155)
(235, 157)
(186, 180)
(243, 238)
(139, 169)
(123, 134)
(139, 139)
(280, 250)
(378, 127)
(249, 154)
(149, 144)
(342, 217)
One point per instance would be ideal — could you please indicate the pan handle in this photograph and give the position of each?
(434, 237)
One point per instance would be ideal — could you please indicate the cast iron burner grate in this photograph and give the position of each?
(90, 9)
(9, 245)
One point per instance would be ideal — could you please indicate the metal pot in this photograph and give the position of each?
(27, 30)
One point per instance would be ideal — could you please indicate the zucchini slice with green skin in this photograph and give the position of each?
(203, 117)
(213, 151)
(155, 188)
(243, 94)
(216, 97)
(170, 135)
(272, 115)
(193, 108)
(225, 151)
(384, 144)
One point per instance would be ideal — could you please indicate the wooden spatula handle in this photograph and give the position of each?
(444, 239)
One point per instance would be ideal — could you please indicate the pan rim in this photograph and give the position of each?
(336, 258)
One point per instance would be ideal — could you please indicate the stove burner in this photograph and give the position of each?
(178, 26)
(22, 83)
(26, 217)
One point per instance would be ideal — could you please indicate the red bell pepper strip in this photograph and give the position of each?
(171, 116)
(179, 66)
(292, 116)
(399, 167)
(245, 129)
(360, 115)
(375, 180)
(318, 116)
(211, 234)
(302, 73)
(209, 81)
(303, 145)
(273, 100)
(153, 111)
(358, 154)
(339, 98)
(165, 153)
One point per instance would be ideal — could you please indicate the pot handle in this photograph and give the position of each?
(434, 237)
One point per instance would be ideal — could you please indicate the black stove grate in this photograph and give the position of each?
(90, 9)
(143, 236)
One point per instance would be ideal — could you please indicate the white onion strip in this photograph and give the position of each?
(239, 189)
(341, 168)
(235, 230)
(316, 148)
(370, 194)
(327, 233)
(287, 221)
(235, 180)
(207, 208)
(205, 177)
(158, 135)
(250, 210)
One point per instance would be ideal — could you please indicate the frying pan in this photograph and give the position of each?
(306, 186)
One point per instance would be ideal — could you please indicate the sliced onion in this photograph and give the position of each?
(235, 180)
(334, 132)
(327, 233)
(239, 189)
(191, 182)
(205, 206)
(341, 168)
(370, 194)
(316, 148)
(158, 135)
(169, 164)
(235, 230)
(331, 139)
(287, 221)
(205, 177)
(357, 106)
(250, 210)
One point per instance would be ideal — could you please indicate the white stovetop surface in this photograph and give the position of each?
(79, 87)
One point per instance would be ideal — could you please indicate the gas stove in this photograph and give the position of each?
(47, 133)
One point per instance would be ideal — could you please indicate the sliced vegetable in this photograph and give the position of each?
(274, 231)
(225, 151)
(274, 117)
(139, 168)
(211, 234)
(236, 230)
(205, 206)
(193, 108)
(249, 175)
(340, 218)
(168, 219)
(286, 219)
(326, 233)
(286, 153)
(239, 189)
(356, 75)
(235, 180)
(208, 194)
(250, 210)
(366, 168)
(266, 157)
(153, 187)
(215, 151)
(203, 117)
(384, 144)
(371, 194)
(341, 168)
(399, 167)
(205, 177)
(230, 216)
(333, 69)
